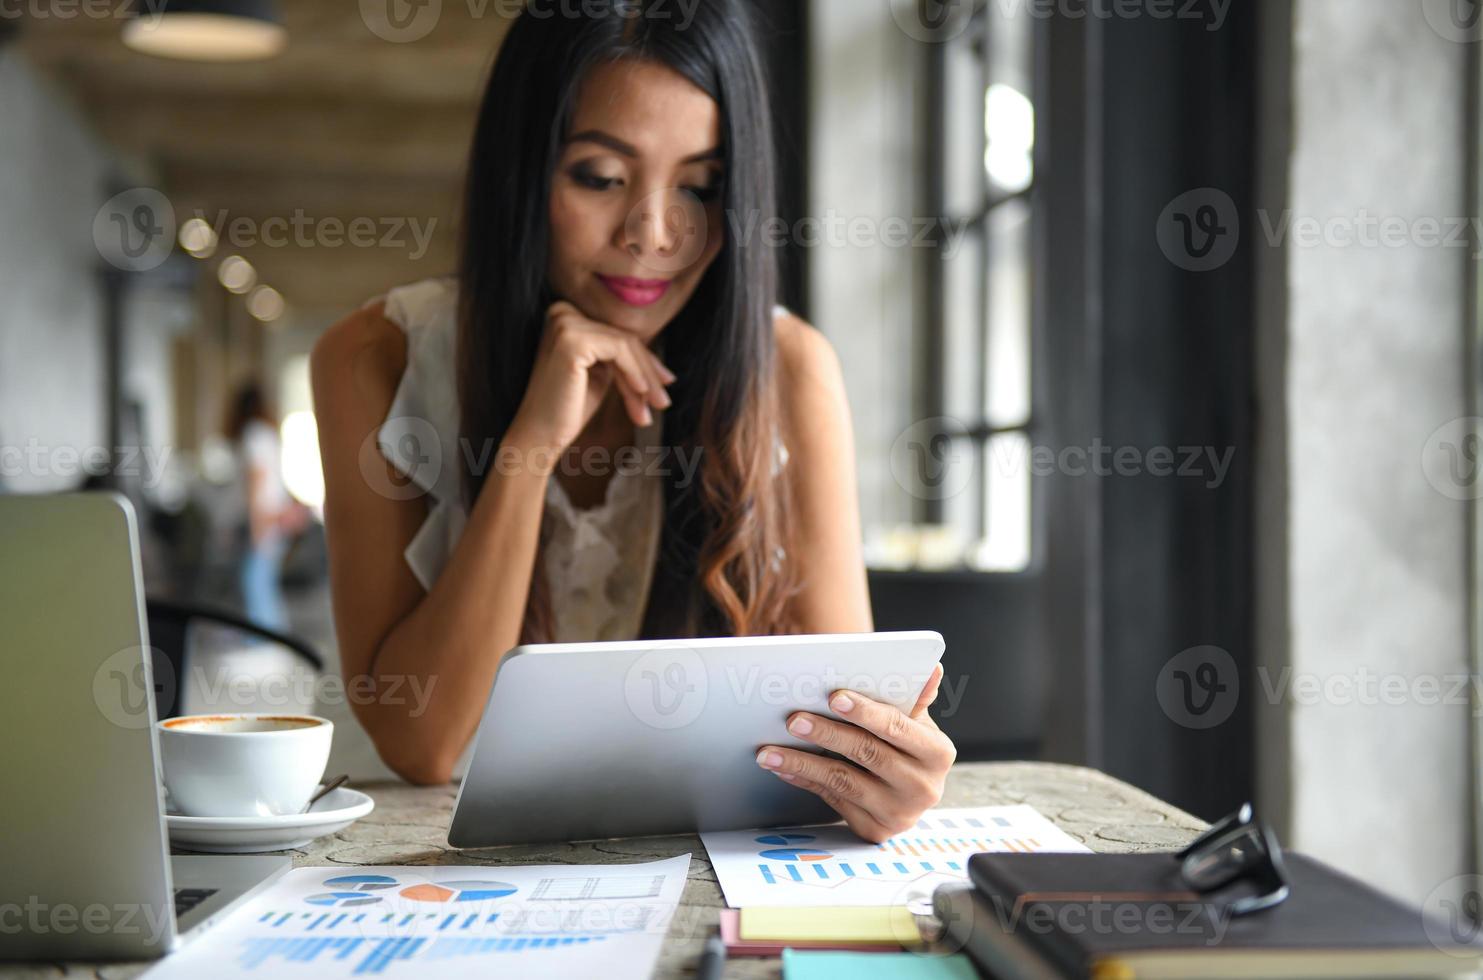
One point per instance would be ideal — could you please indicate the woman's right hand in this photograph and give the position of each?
(578, 361)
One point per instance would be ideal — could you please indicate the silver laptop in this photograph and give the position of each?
(85, 867)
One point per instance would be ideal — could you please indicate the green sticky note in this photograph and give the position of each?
(812, 965)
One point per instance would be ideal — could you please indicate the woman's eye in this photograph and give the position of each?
(706, 194)
(593, 181)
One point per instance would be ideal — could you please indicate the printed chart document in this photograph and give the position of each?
(829, 865)
(446, 921)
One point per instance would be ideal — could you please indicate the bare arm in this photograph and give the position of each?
(419, 665)
(821, 471)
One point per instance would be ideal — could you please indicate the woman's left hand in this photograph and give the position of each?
(900, 760)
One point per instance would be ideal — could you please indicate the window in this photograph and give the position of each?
(979, 121)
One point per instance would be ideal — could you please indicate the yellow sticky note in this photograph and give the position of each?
(891, 926)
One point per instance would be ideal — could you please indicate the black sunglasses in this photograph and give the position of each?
(1237, 849)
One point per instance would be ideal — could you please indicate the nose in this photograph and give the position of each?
(663, 226)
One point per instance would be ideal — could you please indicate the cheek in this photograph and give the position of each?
(579, 228)
(714, 239)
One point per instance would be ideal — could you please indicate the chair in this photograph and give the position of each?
(212, 661)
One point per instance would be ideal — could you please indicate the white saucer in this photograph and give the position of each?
(251, 835)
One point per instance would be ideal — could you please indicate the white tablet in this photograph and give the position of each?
(592, 740)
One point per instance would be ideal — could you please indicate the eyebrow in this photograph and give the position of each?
(627, 149)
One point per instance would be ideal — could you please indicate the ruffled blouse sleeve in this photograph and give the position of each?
(420, 434)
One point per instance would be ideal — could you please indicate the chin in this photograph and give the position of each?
(645, 321)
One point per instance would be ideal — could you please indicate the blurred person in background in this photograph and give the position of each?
(273, 517)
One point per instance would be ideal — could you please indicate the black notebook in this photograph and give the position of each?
(1131, 916)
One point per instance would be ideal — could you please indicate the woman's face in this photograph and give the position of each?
(636, 196)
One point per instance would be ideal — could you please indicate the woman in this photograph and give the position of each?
(272, 516)
(605, 295)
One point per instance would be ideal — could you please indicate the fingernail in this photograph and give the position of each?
(769, 760)
(664, 399)
(669, 375)
(788, 776)
(648, 417)
(800, 726)
(841, 703)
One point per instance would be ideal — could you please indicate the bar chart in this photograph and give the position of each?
(829, 864)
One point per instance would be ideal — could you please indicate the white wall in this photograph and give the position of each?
(1363, 360)
(51, 354)
(862, 142)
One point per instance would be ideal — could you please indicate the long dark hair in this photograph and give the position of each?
(720, 568)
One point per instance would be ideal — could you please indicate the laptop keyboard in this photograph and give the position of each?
(188, 898)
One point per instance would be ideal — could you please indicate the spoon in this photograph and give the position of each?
(324, 789)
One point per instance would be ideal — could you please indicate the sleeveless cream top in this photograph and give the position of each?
(599, 561)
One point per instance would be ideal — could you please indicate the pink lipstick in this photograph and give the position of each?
(636, 292)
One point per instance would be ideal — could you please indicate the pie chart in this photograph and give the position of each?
(786, 847)
(342, 899)
(796, 854)
(360, 883)
(458, 891)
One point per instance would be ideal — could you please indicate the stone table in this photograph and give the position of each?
(409, 826)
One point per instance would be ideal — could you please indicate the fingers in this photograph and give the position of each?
(640, 375)
(644, 392)
(917, 739)
(848, 789)
(650, 365)
(929, 693)
(852, 742)
(855, 816)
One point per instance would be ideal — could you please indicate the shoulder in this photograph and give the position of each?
(811, 386)
(360, 359)
(808, 367)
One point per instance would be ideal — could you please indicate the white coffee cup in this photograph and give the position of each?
(243, 765)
